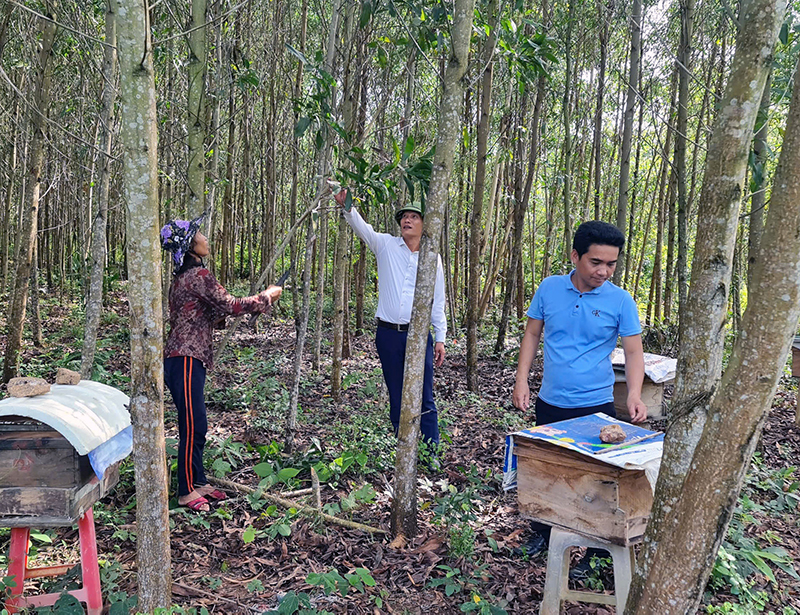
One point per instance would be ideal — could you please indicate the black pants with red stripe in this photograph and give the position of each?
(185, 378)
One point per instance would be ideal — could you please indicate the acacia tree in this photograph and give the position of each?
(679, 552)
(140, 179)
(404, 504)
(26, 236)
(94, 302)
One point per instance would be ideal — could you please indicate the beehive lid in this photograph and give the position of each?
(87, 414)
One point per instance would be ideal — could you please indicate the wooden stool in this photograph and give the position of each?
(556, 588)
(18, 569)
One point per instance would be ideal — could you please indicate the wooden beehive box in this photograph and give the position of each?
(796, 357)
(563, 488)
(43, 480)
(652, 396)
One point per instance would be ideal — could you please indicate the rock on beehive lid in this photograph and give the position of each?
(27, 387)
(612, 433)
(67, 376)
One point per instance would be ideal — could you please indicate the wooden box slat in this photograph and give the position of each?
(53, 507)
(795, 361)
(652, 396)
(569, 490)
(40, 459)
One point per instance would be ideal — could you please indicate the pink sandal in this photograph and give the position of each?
(197, 504)
(217, 495)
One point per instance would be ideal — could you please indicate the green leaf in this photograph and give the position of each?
(408, 149)
(289, 604)
(302, 125)
(365, 576)
(366, 13)
(264, 469)
(284, 529)
(40, 537)
(296, 53)
(249, 534)
(784, 35)
(287, 473)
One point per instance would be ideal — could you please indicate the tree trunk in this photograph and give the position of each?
(404, 504)
(758, 185)
(196, 110)
(681, 563)
(28, 228)
(604, 14)
(685, 60)
(94, 302)
(627, 135)
(567, 183)
(476, 219)
(702, 322)
(138, 124)
(323, 170)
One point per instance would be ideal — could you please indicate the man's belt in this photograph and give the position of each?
(391, 325)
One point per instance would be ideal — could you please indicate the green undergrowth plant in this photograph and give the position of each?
(455, 509)
(302, 603)
(458, 584)
(746, 557)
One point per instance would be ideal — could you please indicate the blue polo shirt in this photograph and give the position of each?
(580, 332)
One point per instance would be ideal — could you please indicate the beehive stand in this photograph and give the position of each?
(556, 588)
(90, 571)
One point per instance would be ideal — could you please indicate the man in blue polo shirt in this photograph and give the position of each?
(582, 314)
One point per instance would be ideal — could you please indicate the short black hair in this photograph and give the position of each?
(595, 231)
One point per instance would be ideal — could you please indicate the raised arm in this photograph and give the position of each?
(527, 352)
(222, 302)
(360, 227)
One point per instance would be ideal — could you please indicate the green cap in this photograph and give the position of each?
(415, 207)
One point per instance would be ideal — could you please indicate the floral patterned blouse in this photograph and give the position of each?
(196, 302)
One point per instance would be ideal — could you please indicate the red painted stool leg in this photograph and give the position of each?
(17, 564)
(89, 565)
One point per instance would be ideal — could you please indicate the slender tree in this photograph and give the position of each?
(476, 216)
(404, 504)
(26, 235)
(140, 179)
(703, 319)
(94, 302)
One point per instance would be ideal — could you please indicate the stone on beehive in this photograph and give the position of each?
(67, 376)
(27, 387)
(612, 433)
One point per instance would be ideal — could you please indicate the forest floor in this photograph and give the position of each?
(247, 556)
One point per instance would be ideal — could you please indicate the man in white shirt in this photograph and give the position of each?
(397, 277)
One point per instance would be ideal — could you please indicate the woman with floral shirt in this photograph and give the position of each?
(196, 302)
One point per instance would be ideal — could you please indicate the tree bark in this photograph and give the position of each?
(196, 109)
(26, 235)
(758, 185)
(94, 302)
(627, 135)
(682, 561)
(138, 138)
(685, 60)
(702, 322)
(404, 504)
(476, 219)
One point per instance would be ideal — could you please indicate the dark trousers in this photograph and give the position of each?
(391, 345)
(548, 413)
(185, 378)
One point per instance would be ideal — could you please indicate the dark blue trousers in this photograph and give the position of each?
(185, 378)
(391, 347)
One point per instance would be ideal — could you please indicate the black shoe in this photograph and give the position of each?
(583, 570)
(535, 545)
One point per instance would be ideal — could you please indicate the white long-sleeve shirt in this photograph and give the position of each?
(397, 276)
